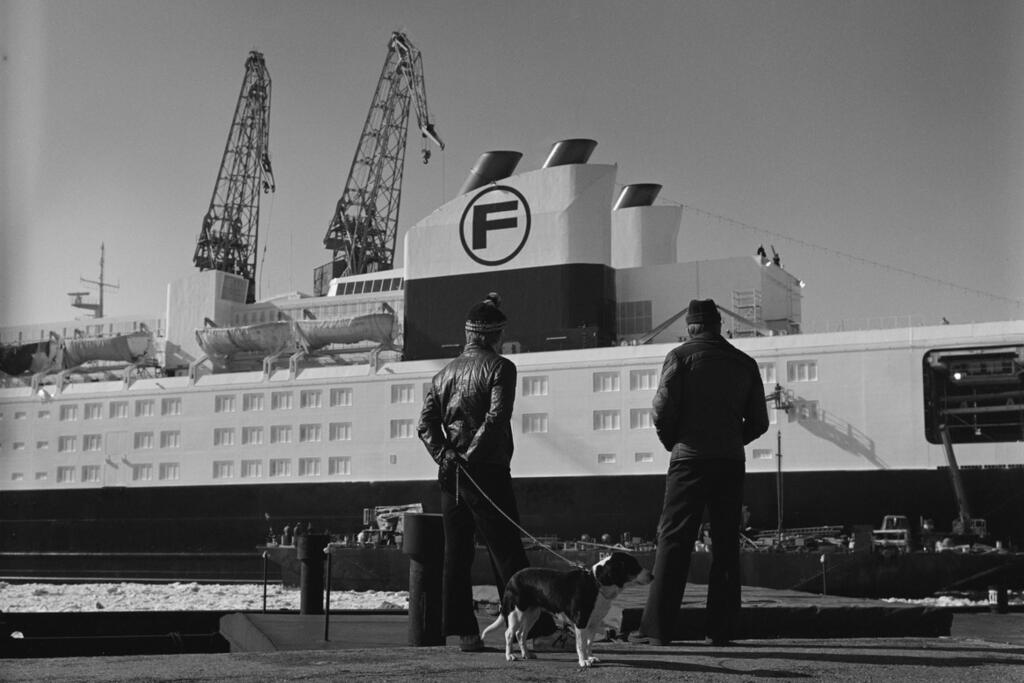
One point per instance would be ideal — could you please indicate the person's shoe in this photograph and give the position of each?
(471, 643)
(562, 640)
(637, 638)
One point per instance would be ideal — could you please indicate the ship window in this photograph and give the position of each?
(643, 380)
(142, 472)
(606, 420)
(403, 393)
(641, 418)
(309, 467)
(42, 476)
(93, 411)
(535, 386)
(310, 398)
(252, 436)
(20, 415)
(66, 444)
(392, 459)
(68, 413)
(802, 371)
(349, 287)
(340, 431)
(281, 434)
(535, 423)
(252, 469)
(634, 317)
(762, 454)
(17, 476)
(43, 415)
(252, 402)
(339, 465)
(643, 457)
(170, 439)
(224, 404)
(92, 442)
(90, 473)
(144, 408)
(309, 433)
(143, 440)
(223, 469)
(224, 436)
(359, 288)
(18, 446)
(280, 467)
(396, 283)
(118, 409)
(65, 475)
(341, 397)
(169, 471)
(606, 381)
(42, 445)
(767, 371)
(281, 400)
(402, 429)
(605, 458)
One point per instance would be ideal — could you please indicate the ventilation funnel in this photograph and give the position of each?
(638, 194)
(491, 167)
(574, 151)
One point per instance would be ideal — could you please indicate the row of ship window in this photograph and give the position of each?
(337, 466)
(536, 385)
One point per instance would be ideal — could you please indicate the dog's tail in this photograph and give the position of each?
(500, 621)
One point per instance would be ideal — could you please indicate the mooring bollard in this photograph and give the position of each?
(423, 542)
(998, 599)
(309, 550)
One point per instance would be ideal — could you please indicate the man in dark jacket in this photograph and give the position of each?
(466, 426)
(710, 403)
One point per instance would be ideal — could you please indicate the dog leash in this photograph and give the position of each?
(526, 533)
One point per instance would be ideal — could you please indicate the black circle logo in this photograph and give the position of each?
(494, 231)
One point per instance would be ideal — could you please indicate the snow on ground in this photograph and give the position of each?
(143, 597)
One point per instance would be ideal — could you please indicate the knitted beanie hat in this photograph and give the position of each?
(702, 311)
(486, 316)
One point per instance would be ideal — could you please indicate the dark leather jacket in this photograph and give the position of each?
(710, 400)
(469, 408)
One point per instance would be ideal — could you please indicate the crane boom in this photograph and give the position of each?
(364, 228)
(229, 236)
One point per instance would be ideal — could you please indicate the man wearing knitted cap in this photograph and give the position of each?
(710, 404)
(466, 426)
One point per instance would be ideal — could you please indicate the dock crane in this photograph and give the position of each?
(229, 237)
(364, 227)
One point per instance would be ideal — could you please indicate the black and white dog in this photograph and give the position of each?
(580, 596)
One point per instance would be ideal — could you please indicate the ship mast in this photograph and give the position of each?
(96, 308)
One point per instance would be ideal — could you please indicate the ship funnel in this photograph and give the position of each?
(638, 194)
(574, 151)
(491, 167)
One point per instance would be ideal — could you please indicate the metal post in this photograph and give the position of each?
(423, 542)
(327, 600)
(778, 482)
(265, 560)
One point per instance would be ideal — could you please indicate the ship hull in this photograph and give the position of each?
(218, 519)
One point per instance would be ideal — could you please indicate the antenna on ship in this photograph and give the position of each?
(96, 308)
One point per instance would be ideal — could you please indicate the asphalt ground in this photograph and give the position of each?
(938, 660)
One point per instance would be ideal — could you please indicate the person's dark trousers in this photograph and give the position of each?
(693, 484)
(471, 514)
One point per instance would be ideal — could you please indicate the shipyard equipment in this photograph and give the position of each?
(228, 239)
(363, 230)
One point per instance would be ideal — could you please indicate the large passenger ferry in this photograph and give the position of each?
(197, 430)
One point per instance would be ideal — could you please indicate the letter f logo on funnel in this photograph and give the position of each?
(495, 225)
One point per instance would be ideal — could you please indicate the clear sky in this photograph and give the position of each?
(879, 146)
